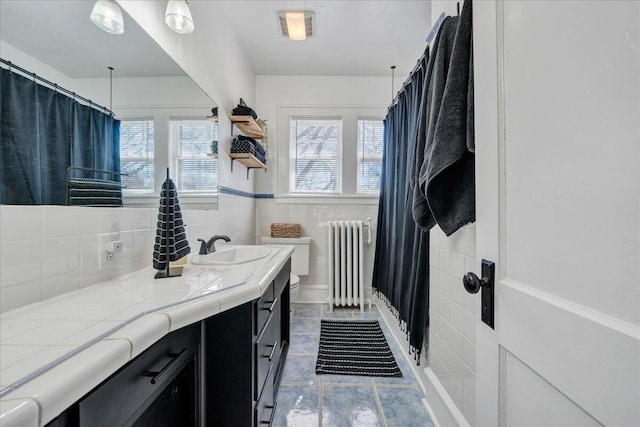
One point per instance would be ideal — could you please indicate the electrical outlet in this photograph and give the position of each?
(108, 249)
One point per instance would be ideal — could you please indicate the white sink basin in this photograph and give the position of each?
(229, 255)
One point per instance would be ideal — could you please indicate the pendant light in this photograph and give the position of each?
(107, 16)
(178, 17)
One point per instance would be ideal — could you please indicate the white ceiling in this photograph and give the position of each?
(354, 37)
(60, 34)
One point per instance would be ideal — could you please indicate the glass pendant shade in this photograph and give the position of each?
(106, 14)
(178, 17)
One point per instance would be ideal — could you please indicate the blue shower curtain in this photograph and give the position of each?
(42, 133)
(401, 267)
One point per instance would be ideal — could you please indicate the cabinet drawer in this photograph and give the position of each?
(131, 390)
(264, 307)
(277, 336)
(267, 349)
(265, 408)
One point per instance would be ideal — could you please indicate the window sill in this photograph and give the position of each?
(187, 201)
(328, 199)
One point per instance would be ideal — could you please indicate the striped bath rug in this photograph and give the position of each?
(355, 347)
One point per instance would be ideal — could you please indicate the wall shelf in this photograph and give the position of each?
(214, 155)
(247, 126)
(247, 159)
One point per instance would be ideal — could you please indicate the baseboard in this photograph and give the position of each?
(313, 294)
(320, 294)
(442, 411)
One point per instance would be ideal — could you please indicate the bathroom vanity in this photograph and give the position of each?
(218, 362)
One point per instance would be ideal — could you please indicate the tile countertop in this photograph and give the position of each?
(54, 352)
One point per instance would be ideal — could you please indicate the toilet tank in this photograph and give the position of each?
(300, 256)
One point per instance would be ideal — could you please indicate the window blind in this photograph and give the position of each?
(370, 148)
(137, 155)
(190, 140)
(315, 155)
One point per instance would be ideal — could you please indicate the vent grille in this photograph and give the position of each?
(283, 26)
(309, 23)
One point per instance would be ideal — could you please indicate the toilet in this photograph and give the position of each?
(299, 258)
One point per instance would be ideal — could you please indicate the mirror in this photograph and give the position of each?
(163, 112)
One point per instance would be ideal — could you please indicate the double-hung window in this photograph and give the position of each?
(315, 161)
(370, 146)
(190, 141)
(137, 155)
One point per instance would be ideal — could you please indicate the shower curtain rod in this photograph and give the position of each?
(406, 82)
(432, 34)
(57, 88)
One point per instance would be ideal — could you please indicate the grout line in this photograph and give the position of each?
(379, 404)
(320, 395)
(407, 386)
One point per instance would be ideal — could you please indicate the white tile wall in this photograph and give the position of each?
(452, 335)
(313, 218)
(46, 251)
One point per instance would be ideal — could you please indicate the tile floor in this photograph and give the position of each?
(309, 400)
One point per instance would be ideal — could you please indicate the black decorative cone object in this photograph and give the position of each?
(171, 239)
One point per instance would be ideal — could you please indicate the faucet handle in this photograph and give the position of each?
(204, 249)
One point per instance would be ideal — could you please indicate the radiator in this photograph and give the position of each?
(346, 283)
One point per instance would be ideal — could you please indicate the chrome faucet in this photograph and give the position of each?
(209, 246)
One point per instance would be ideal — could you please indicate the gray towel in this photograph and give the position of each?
(435, 80)
(446, 178)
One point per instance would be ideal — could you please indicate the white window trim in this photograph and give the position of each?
(173, 159)
(127, 193)
(350, 116)
(361, 159)
(160, 117)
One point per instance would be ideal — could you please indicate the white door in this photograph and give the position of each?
(557, 96)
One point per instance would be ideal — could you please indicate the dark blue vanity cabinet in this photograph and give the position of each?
(223, 371)
(245, 351)
(160, 387)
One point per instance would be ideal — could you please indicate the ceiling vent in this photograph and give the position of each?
(297, 25)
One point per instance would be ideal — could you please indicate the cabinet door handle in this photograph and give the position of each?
(273, 413)
(272, 306)
(174, 357)
(273, 350)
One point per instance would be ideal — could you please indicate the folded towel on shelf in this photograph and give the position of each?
(260, 157)
(245, 146)
(259, 148)
(241, 146)
(244, 110)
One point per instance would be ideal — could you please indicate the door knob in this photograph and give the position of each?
(472, 283)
